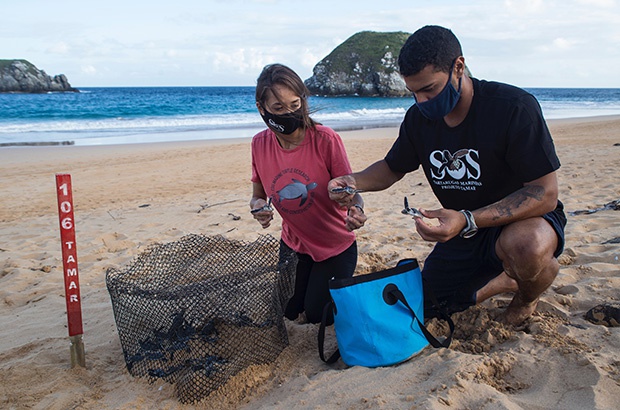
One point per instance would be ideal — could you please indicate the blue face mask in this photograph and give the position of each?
(443, 103)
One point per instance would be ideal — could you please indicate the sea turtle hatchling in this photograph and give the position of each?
(606, 315)
(267, 207)
(411, 211)
(349, 190)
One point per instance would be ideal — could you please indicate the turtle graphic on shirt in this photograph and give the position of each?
(296, 189)
(453, 162)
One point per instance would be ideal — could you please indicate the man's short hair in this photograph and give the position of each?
(432, 45)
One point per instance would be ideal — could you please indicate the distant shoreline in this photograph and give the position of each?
(185, 136)
(35, 144)
(138, 115)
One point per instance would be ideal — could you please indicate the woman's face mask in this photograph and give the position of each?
(284, 124)
(443, 103)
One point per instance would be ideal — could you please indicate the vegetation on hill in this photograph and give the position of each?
(7, 63)
(367, 49)
(365, 64)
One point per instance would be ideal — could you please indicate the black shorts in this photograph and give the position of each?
(455, 270)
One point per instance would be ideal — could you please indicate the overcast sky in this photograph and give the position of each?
(529, 43)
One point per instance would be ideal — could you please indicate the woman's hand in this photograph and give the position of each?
(355, 218)
(262, 212)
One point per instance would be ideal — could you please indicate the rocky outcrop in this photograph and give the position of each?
(366, 64)
(20, 76)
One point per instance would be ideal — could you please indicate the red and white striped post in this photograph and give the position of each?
(70, 268)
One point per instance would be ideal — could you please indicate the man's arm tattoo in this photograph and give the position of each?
(513, 201)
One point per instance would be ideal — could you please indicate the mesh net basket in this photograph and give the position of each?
(197, 311)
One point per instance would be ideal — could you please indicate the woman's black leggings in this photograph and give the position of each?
(312, 279)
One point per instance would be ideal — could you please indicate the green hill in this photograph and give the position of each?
(365, 64)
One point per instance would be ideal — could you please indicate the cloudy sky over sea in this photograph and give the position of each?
(530, 43)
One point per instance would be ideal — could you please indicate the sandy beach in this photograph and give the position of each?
(130, 196)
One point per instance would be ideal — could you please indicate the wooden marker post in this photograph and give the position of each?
(70, 268)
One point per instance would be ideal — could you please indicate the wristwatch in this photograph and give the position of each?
(471, 228)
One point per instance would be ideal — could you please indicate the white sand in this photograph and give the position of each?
(557, 360)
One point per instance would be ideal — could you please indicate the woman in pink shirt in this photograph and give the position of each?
(292, 162)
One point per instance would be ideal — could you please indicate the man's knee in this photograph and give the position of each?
(527, 250)
(534, 246)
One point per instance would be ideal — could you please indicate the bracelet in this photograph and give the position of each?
(358, 206)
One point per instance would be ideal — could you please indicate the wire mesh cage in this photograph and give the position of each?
(197, 311)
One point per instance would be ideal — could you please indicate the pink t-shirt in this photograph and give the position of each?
(296, 180)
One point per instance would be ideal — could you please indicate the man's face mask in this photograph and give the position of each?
(284, 124)
(443, 103)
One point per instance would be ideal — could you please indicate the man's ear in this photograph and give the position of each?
(260, 108)
(459, 66)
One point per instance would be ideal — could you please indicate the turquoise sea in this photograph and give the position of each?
(118, 115)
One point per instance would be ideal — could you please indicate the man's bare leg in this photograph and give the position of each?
(524, 302)
(499, 284)
(526, 250)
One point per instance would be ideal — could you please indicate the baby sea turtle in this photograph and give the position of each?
(349, 190)
(606, 315)
(296, 189)
(411, 211)
(267, 207)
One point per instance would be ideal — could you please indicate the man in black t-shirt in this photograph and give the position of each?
(487, 153)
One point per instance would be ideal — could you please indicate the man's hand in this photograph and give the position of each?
(451, 223)
(343, 197)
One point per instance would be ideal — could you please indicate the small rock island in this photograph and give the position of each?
(21, 76)
(366, 64)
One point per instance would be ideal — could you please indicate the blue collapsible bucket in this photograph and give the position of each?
(374, 327)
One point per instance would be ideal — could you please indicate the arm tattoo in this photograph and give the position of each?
(505, 207)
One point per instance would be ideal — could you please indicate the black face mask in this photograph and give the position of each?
(443, 103)
(284, 124)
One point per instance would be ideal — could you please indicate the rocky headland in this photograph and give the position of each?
(366, 64)
(21, 76)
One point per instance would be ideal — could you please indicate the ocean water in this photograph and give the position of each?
(97, 116)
